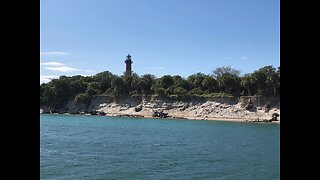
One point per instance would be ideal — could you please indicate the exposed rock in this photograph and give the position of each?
(225, 106)
(275, 117)
(249, 105)
(94, 112)
(101, 113)
(192, 108)
(184, 107)
(102, 105)
(138, 109)
(159, 114)
(169, 106)
(266, 108)
(198, 109)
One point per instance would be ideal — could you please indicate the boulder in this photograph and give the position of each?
(102, 105)
(93, 112)
(101, 113)
(267, 108)
(275, 117)
(138, 109)
(159, 114)
(249, 106)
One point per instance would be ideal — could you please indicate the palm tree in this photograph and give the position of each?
(246, 82)
(273, 80)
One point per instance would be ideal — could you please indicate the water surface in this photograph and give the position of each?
(98, 147)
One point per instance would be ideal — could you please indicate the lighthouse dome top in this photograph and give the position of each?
(128, 62)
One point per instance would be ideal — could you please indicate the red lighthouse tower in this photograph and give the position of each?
(128, 62)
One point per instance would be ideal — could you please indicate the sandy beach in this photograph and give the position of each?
(200, 111)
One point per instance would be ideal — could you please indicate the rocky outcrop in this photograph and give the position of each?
(249, 108)
(159, 114)
(138, 108)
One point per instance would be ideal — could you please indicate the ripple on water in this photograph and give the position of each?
(93, 147)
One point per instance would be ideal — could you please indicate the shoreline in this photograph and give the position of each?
(245, 109)
(208, 110)
(223, 119)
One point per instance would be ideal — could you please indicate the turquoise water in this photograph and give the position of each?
(98, 147)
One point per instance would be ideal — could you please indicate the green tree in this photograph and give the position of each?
(180, 91)
(195, 91)
(56, 93)
(216, 73)
(229, 83)
(127, 84)
(166, 81)
(104, 80)
(209, 84)
(117, 86)
(247, 83)
(267, 81)
(160, 91)
(181, 82)
(195, 80)
(147, 81)
(93, 88)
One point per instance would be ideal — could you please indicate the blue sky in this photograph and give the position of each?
(176, 37)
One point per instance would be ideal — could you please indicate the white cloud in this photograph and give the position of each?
(64, 69)
(46, 78)
(53, 53)
(51, 64)
(60, 67)
(82, 74)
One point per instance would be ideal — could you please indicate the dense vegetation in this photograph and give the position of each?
(224, 81)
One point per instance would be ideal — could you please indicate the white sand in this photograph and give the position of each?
(201, 111)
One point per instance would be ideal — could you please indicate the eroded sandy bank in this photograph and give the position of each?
(198, 111)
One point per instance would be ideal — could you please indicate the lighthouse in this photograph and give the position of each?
(128, 62)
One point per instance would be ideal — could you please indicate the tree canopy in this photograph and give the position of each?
(225, 70)
(224, 81)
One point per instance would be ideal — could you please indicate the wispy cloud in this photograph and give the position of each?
(60, 67)
(46, 78)
(51, 64)
(53, 53)
(156, 68)
(243, 57)
(83, 74)
(64, 69)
